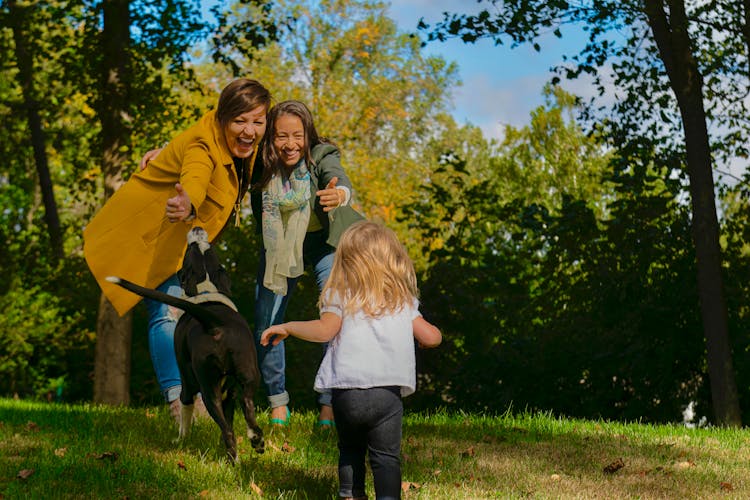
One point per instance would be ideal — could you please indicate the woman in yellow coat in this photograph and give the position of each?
(199, 179)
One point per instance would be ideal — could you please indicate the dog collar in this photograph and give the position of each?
(211, 297)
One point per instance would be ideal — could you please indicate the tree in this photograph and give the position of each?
(663, 50)
(21, 21)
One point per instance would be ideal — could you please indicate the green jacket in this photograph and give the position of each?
(326, 166)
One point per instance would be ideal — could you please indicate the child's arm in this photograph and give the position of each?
(426, 333)
(318, 330)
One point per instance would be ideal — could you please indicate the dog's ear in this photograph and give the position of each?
(216, 272)
(192, 271)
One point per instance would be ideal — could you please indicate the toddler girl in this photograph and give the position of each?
(369, 314)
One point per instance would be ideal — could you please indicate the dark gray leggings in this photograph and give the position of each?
(369, 421)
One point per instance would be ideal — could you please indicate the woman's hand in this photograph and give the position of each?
(150, 155)
(331, 197)
(274, 334)
(179, 207)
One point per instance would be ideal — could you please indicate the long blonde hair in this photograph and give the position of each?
(371, 271)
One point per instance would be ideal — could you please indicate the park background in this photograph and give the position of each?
(558, 257)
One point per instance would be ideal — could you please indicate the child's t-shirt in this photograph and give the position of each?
(370, 352)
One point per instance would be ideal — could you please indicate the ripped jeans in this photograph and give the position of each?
(161, 322)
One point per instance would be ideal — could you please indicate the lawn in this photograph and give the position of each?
(85, 451)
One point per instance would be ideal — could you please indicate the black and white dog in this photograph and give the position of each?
(213, 343)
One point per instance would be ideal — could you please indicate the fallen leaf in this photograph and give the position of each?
(469, 452)
(181, 465)
(727, 486)
(25, 473)
(32, 426)
(405, 457)
(149, 413)
(272, 446)
(60, 452)
(408, 485)
(203, 493)
(555, 477)
(436, 472)
(687, 464)
(107, 455)
(256, 489)
(287, 448)
(614, 466)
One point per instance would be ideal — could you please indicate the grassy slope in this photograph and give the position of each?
(82, 451)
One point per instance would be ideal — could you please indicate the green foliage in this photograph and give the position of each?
(39, 337)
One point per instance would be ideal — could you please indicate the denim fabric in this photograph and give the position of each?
(369, 421)
(161, 323)
(270, 309)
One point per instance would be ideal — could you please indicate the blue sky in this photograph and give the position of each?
(501, 86)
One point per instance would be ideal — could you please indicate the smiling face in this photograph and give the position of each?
(245, 131)
(289, 139)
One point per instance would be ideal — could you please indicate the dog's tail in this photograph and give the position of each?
(207, 318)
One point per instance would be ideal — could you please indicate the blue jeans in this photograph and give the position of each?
(161, 322)
(368, 421)
(270, 309)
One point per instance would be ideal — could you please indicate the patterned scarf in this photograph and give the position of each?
(285, 216)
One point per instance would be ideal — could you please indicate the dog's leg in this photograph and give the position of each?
(186, 419)
(212, 399)
(254, 432)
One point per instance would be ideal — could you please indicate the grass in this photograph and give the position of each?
(85, 451)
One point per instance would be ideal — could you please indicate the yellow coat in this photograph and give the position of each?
(132, 238)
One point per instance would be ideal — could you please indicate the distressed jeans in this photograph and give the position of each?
(161, 322)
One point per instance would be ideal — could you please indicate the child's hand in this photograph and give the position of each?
(274, 334)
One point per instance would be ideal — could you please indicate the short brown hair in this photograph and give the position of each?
(240, 96)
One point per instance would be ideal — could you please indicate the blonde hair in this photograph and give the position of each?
(371, 271)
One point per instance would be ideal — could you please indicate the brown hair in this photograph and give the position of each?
(240, 96)
(271, 162)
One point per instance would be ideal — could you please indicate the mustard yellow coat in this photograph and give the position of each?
(132, 238)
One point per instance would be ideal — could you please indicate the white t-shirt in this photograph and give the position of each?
(370, 352)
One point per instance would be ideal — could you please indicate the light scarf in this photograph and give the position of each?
(285, 217)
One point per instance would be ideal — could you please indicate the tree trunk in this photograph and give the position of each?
(24, 59)
(112, 355)
(673, 41)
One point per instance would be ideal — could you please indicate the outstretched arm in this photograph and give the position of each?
(318, 330)
(150, 155)
(426, 333)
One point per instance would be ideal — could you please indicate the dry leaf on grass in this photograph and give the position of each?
(60, 452)
(203, 493)
(408, 485)
(25, 473)
(256, 489)
(32, 426)
(555, 477)
(181, 465)
(469, 452)
(614, 466)
(726, 486)
(287, 448)
(107, 455)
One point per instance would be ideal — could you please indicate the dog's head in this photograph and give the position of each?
(201, 270)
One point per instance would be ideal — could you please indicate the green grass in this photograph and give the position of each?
(85, 451)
